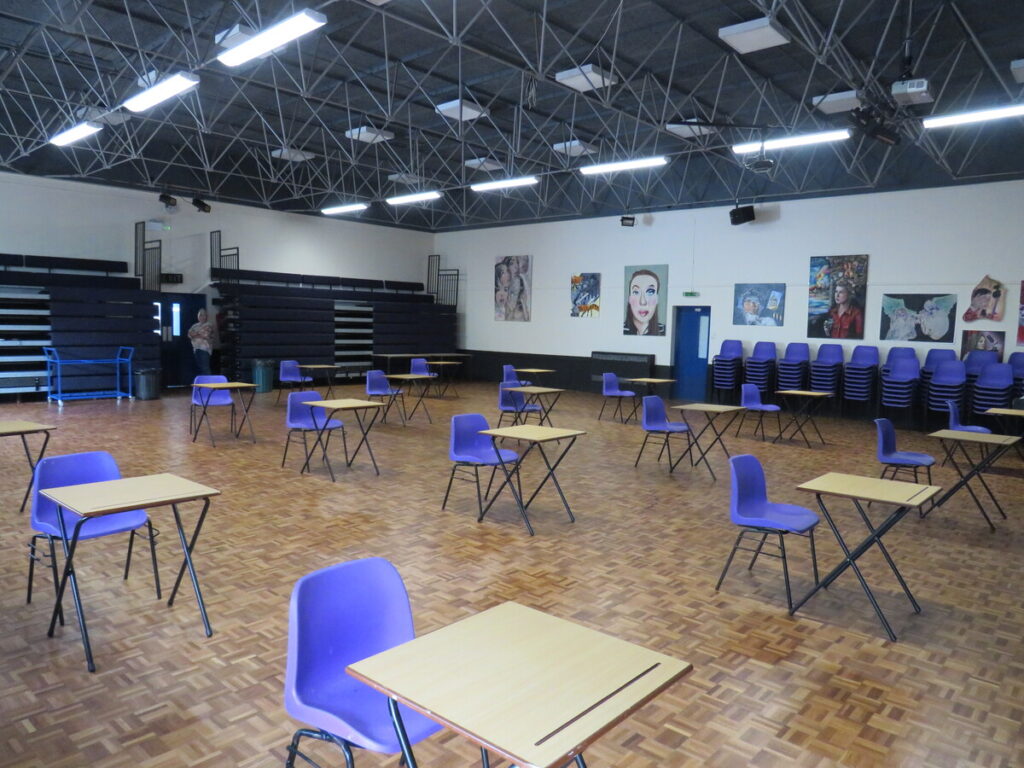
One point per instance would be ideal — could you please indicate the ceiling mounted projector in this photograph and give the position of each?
(759, 164)
(908, 92)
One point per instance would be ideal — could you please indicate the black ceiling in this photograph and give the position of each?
(388, 67)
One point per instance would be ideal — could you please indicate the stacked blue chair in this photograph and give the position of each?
(726, 366)
(860, 374)
(896, 353)
(760, 366)
(949, 383)
(993, 388)
(894, 461)
(793, 366)
(976, 360)
(827, 369)
(931, 363)
(750, 399)
(514, 403)
(1016, 362)
(900, 379)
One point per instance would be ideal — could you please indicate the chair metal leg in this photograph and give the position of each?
(479, 500)
(287, 442)
(760, 546)
(642, 446)
(785, 571)
(449, 489)
(728, 560)
(602, 409)
(152, 556)
(814, 557)
(743, 417)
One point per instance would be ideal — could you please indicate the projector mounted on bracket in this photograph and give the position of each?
(759, 163)
(871, 122)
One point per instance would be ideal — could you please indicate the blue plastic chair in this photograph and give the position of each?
(993, 388)
(895, 461)
(74, 469)
(288, 372)
(750, 509)
(510, 378)
(340, 615)
(610, 388)
(515, 404)
(418, 366)
(827, 368)
(469, 450)
(213, 398)
(302, 419)
(654, 421)
(378, 388)
(954, 421)
(750, 399)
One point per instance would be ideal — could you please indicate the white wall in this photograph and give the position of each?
(924, 241)
(46, 217)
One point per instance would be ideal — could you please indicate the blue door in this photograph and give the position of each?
(690, 353)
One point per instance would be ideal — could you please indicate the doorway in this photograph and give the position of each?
(177, 312)
(691, 332)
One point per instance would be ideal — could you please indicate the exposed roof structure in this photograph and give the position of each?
(350, 112)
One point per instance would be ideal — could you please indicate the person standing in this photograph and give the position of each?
(201, 334)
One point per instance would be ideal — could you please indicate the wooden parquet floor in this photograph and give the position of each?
(824, 688)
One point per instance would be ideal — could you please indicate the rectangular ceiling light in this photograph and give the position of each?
(491, 186)
(161, 92)
(291, 155)
(624, 165)
(368, 134)
(418, 197)
(483, 164)
(1017, 70)
(75, 133)
(791, 141)
(405, 178)
(574, 148)
(754, 35)
(349, 208)
(831, 103)
(585, 78)
(460, 109)
(981, 116)
(279, 34)
(689, 128)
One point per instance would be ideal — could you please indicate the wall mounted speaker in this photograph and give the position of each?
(741, 214)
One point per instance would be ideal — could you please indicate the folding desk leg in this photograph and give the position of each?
(365, 431)
(551, 473)
(403, 738)
(246, 405)
(187, 547)
(888, 559)
(32, 465)
(508, 481)
(69, 575)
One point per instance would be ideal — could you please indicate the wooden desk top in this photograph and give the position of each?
(535, 370)
(444, 362)
(318, 366)
(422, 354)
(535, 390)
(531, 687)
(226, 385)
(708, 407)
(870, 489)
(409, 376)
(650, 381)
(974, 437)
(109, 496)
(344, 404)
(533, 433)
(1018, 412)
(802, 393)
(22, 428)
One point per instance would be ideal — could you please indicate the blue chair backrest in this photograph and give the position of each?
(954, 415)
(830, 353)
(69, 469)
(749, 493)
(216, 397)
(937, 356)
(300, 416)
(377, 383)
(995, 376)
(288, 370)
(864, 355)
(508, 400)
(731, 348)
(797, 351)
(508, 374)
(886, 439)
(418, 365)
(897, 353)
(764, 350)
(978, 358)
(609, 383)
(903, 369)
(949, 373)
(1016, 362)
(465, 437)
(750, 395)
(654, 416)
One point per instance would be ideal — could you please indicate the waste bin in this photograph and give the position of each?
(147, 383)
(263, 374)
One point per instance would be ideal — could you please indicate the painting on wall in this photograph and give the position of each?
(918, 317)
(645, 294)
(994, 340)
(512, 288)
(835, 306)
(759, 304)
(585, 294)
(988, 301)
(1020, 317)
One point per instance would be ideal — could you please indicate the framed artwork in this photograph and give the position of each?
(988, 301)
(994, 340)
(918, 317)
(585, 294)
(837, 289)
(645, 294)
(759, 304)
(512, 288)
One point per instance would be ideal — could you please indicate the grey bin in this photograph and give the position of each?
(147, 383)
(263, 374)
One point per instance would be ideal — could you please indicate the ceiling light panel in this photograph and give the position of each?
(689, 129)
(418, 197)
(491, 186)
(787, 142)
(586, 78)
(574, 148)
(832, 103)
(980, 116)
(75, 133)
(405, 178)
(161, 92)
(461, 109)
(754, 35)
(347, 208)
(1017, 70)
(369, 134)
(483, 164)
(624, 165)
(291, 155)
(279, 34)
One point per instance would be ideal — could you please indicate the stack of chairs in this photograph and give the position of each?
(948, 382)
(793, 367)
(726, 365)
(827, 369)
(975, 361)
(896, 353)
(993, 388)
(860, 374)
(900, 378)
(760, 366)
(931, 363)
(1016, 362)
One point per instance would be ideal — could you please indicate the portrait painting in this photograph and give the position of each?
(759, 304)
(988, 301)
(837, 289)
(991, 340)
(512, 288)
(646, 287)
(918, 317)
(585, 294)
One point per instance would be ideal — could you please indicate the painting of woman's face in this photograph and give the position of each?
(643, 298)
(842, 294)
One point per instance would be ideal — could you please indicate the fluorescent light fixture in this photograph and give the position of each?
(690, 128)
(585, 78)
(1017, 70)
(483, 164)
(232, 36)
(291, 155)
(574, 148)
(369, 134)
(418, 197)
(161, 92)
(279, 34)
(460, 109)
(491, 186)
(623, 165)
(832, 103)
(348, 208)
(981, 116)
(101, 115)
(754, 35)
(791, 141)
(405, 178)
(75, 133)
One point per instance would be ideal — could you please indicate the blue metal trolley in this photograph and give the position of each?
(54, 375)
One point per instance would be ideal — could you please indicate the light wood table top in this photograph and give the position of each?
(649, 381)
(109, 496)
(444, 362)
(533, 433)
(22, 428)
(531, 687)
(803, 392)
(1018, 412)
(535, 370)
(975, 437)
(318, 366)
(344, 404)
(422, 354)
(409, 376)
(533, 390)
(226, 385)
(870, 489)
(708, 407)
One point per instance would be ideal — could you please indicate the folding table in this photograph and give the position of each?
(535, 435)
(226, 386)
(420, 379)
(331, 407)
(535, 396)
(534, 689)
(905, 496)
(328, 371)
(650, 384)
(89, 500)
(807, 402)
(990, 448)
(712, 412)
(1004, 416)
(21, 429)
(536, 372)
(444, 378)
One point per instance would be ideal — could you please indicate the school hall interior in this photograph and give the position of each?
(714, 459)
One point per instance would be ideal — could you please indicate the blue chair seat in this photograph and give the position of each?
(93, 528)
(784, 517)
(489, 458)
(909, 459)
(306, 422)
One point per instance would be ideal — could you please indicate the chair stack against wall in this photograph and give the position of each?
(948, 382)
(993, 388)
(931, 363)
(760, 366)
(860, 374)
(1016, 362)
(827, 369)
(900, 378)
(726, 366)
(793, 367)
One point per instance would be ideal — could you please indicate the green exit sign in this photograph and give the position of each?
(691, 293)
